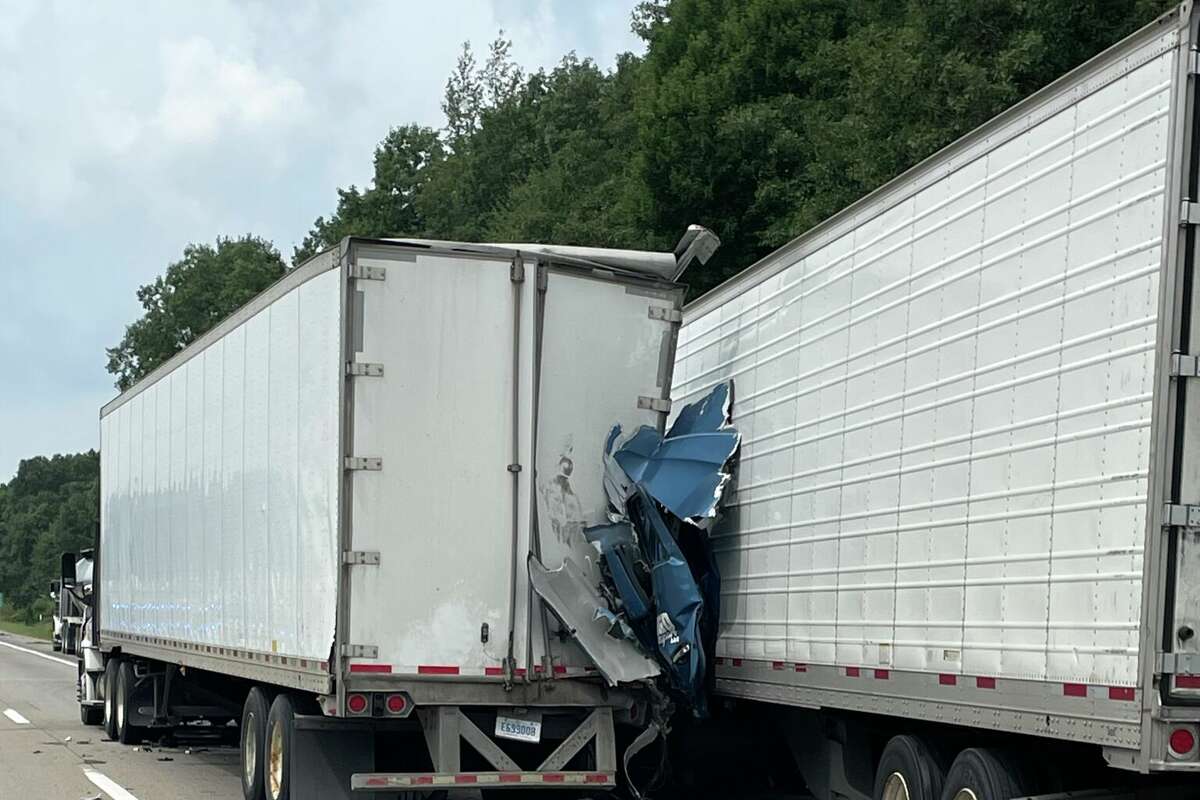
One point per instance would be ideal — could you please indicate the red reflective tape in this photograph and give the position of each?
(1120, 693)
(493, 670)
(466, 779)
(370, 667)
(519, 672)
(554, 777)
(737, 662)
(948, 680)
(1187, 681)
(559, 669)
(802, 668)
(1075, 689)
(599, 777)
(433, 669)
(985, 683)
(422, 779)
(377, 782)
(510, 777)
(882, 674)
(852, 672)
(776, 665)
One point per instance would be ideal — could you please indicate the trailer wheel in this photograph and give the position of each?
(69, 637)
(983, 774)
(253, 737)
(908, 770)
(280, 724)
(127, 732)
(109, 684)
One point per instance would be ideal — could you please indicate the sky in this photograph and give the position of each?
(129, 129)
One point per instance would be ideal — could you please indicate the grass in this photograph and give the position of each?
(40, 630)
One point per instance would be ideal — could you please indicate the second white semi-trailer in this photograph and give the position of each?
(316, 518)
(965, 525)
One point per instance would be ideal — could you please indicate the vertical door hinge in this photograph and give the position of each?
(543, 278)
(1189, 213)
(1194, 62)
(355, 462)
(360, 273)
(516, 272)
(364, 557)
(360, 651)
(660, 404)
(666, 314)
(363, 368)
(1184, 366)
(1181, 516)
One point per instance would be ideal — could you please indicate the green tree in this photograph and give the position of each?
(48, 508)
(761, 118)
(388, 207)
(194, 294)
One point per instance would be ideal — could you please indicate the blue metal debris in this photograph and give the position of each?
(685, 470)
(660, 576)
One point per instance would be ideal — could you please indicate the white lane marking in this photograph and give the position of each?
(15, 716)
(39, 655)
(107, 785)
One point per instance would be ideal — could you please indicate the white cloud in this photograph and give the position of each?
(205, 92)
(129, 129)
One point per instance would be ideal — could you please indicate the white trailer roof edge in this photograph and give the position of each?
(637, 264)
(1021, 117)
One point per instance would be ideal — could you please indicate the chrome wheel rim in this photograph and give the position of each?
(895, 788)
(966, 794)
(275, 773)
(108, 702)
(250, 749)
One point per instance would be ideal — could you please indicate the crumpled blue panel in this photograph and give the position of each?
(677, 602)
(685, 470)
(661, 580)
(619, 547)
(709, 413)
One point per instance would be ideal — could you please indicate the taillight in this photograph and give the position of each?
(356, 703)
(1182, 742)
(396, 703)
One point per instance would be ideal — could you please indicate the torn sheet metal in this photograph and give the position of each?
(578, 604)
(659, 576)
(677, 601)
(686, 470)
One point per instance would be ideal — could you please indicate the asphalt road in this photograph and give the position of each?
(47, 754)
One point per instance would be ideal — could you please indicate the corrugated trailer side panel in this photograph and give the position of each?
(946, 398)
(220, 485)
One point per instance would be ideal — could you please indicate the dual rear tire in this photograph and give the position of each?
(911, 769)
(267, 730)
(120, 683)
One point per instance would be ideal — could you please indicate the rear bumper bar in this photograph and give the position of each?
(391, 781)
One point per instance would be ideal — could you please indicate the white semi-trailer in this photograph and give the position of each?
(316, 518)
(964, 533)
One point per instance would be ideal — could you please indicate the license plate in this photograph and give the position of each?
(521, 728)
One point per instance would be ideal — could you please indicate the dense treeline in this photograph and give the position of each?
(757, 118)
(49, 508)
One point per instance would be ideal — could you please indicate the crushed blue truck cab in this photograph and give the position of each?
(658, 596)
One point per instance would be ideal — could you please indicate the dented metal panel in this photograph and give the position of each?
(586, 314)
